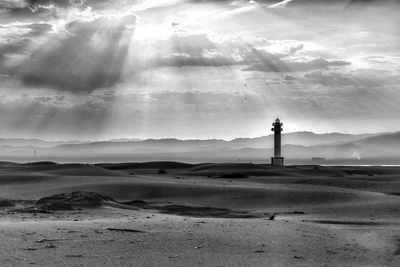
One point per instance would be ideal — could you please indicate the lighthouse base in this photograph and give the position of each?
(277, 161)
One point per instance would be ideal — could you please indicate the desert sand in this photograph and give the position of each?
(177, 214)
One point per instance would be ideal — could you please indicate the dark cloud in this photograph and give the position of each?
(191, 44)
(236, 1)
(93, 54)
(43, 99)
(23, 9)
(359, 78)
(190, 50)
(13, 46)
(37, 29)
(299, 2)
(60, 98)
(10, 4)
(71, 3)
(62, 3)
(90, 56)
(187, 60)
(319, 63)
(15, 41)
(260, 60)
(200, 50)
(344, 3)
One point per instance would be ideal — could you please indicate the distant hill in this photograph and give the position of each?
(22, 142)
(385, 140)
(296, 146)
(381, 146)
(300, 138)
(384, 143)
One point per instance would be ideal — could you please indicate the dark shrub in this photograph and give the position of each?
(6, 203)
(161, 171)
(233, 175)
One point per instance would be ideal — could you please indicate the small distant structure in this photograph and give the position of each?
(317, 160)
(277, 159)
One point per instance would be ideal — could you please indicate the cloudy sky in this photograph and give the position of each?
(85, 69)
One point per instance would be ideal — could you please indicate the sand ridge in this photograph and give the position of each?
(301, 215)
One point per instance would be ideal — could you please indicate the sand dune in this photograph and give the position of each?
(75, 169)
(146, 165)
(340, 214)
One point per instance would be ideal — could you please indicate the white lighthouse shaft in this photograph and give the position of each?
(277, 144)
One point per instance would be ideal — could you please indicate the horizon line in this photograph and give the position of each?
(138, 139)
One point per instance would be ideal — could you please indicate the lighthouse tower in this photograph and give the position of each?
(277, 159)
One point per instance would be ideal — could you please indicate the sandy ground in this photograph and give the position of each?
(324, 216)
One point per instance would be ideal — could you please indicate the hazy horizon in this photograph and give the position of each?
(190, 139)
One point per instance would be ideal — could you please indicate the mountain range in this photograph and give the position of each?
(297, 147)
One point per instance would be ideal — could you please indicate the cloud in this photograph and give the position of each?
(86, 52)
(62, 3)
(89, 56)
(196, 49)
(9, 4)
(384, 60)
(15, 39)
(193, 44)
(290, 3)
(280, 4)
(180, 60)
(92, 53)
(359, 78)
(260, 60)
(45, 9)
(344, 3)
(258, 54)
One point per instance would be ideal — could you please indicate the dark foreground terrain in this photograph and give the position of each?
(177, 214)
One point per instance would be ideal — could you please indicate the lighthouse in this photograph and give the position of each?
(277, 159)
